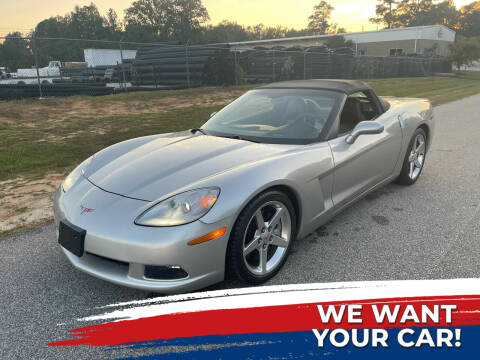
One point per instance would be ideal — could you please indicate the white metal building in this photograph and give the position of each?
(107, 57)
(433, 39)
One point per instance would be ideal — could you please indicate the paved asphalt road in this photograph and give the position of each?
(428, 231)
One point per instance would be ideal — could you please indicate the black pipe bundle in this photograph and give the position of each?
(181, 66)
(8, 92)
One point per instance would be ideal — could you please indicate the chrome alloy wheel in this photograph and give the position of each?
(267, 237)
(417, 157)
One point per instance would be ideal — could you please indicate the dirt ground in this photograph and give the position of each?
(24, 203)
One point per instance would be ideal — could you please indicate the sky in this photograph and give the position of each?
(23, 15)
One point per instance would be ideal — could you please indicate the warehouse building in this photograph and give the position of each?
(420, 40)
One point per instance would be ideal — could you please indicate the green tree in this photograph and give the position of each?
(426, 12)
(225, 31)
(86, 23)
(262, 32)
(168, 19)
(398, 13)
(338, 41)
(139, 33)
(15, 52)
(469, 19)
(189, 15)
(386, 13)
(464, 51)
(335, 29)
(319, 20)
(446, 13)
(112, 24)
(47, 50)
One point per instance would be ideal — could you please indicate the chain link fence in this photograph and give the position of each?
(40, 67)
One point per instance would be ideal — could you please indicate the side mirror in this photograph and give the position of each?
(364, 128)
(212, 114)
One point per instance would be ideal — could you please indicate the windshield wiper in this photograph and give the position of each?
(237, 137)
(195, 130)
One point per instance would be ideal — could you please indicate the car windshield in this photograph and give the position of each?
(277, 115)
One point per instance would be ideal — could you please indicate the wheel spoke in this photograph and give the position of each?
(420, 147)
(260, 220)
(276, 218)
(263, 260)
(418, 163)
(251, 247)
(279, 241)
(412, 169)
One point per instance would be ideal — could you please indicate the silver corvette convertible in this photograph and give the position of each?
(177, 212)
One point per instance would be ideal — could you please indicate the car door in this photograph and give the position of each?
(371, 158)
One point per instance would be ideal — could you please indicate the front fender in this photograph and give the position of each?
(308, 173)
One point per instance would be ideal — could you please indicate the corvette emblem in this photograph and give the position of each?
(85, 210)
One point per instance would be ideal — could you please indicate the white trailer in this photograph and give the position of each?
(107, 57)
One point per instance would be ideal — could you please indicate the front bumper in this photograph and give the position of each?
(117, 250)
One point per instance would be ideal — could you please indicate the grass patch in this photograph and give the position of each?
(45, 136)
(438, 90)
(34, 151)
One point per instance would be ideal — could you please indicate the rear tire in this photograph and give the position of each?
(414, 158)
(256, 252)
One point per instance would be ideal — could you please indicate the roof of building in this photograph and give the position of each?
(345, 86)
(414, 32)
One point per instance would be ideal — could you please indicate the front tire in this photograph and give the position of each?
(414, 158)
(261, 238)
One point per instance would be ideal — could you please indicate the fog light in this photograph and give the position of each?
(164, 272)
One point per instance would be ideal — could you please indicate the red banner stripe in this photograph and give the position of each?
(269, 319)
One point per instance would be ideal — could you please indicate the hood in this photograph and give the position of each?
(158, 166)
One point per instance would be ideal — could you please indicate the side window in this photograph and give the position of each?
(358, 107)
(396, 52)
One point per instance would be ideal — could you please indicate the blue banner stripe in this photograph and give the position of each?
(303, 345)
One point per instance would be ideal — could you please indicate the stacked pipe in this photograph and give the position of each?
(265, 65)
(318, 62)
(279, 63)
(176, 66)
(342, 63)
(25, 91)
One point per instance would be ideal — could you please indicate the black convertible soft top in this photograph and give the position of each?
(345, 86)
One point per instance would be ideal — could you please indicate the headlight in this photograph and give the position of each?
(180, 209)
(75, 175)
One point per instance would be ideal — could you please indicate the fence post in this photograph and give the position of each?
(187, 66)
(155, 76)
(35, 54)
(235, 66)
(304, 65)
(124, 84)
(273, 64)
